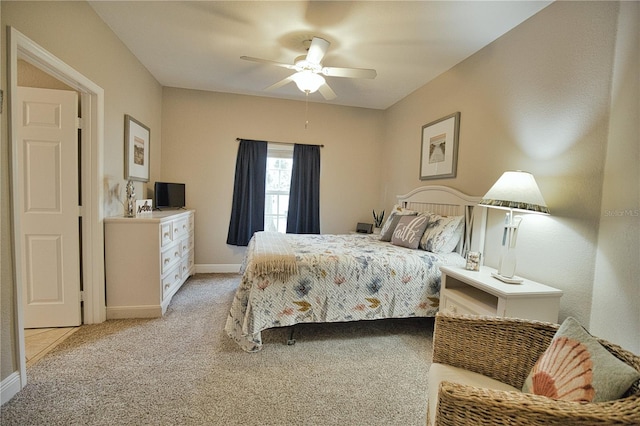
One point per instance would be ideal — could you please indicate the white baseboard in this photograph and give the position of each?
(144, 311)
(217, 268)
(9, 387)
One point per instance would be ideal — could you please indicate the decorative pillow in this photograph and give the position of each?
(409, 231)
(442, 233)
(397, 210)
(390, 226)
(576, 367)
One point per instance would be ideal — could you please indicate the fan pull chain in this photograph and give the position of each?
(306, 110)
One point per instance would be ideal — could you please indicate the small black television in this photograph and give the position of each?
(169, 195)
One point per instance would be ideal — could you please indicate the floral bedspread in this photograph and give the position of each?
(341, 278)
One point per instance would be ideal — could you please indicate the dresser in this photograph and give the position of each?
(147, 259)
(478, 293)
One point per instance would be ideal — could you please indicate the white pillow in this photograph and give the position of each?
(442, 234)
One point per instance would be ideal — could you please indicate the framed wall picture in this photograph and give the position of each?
(439, 156)
(136, 150)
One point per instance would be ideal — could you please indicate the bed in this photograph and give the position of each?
(289, 279)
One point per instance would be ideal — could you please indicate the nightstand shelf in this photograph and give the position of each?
(478, 293)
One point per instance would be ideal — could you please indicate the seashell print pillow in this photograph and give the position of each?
(576, 367)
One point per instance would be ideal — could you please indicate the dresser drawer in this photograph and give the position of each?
(186, 266)
(180, 228)
(186, 244)
(170, 256)
(172, 279)
(166, 234)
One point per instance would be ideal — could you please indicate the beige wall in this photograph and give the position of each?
(199, 148)
(537, 99)
(616, 295)
(31, 76)
(75, 34)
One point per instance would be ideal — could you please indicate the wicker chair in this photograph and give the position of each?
(506, 350)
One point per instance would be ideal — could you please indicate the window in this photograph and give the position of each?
(278, 183)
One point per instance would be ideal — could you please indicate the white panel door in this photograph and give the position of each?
(49, 212)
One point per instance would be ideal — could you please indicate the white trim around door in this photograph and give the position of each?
(92, 104)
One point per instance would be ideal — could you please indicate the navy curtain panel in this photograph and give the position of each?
(304, 196)
(247, 210)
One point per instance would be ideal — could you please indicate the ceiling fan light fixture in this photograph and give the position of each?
(308, 81)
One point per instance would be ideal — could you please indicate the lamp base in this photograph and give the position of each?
(508, 280)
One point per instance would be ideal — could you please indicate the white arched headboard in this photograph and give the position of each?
(447, 201)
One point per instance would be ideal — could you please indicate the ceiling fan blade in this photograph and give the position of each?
(280, 83)
(349, 72)
(317, 50)
(327, 92)
(269, 62)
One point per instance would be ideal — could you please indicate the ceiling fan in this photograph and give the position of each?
(310, 71)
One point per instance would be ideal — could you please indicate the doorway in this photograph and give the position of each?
(92, 241)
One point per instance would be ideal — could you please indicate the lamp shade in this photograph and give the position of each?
(516, 190)
(308, 81)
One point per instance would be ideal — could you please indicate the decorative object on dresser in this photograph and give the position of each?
(147, 259)
(131, 200)
(515, 190)
(477, 293)
(144, 207)
(137, 143)
(439, 151)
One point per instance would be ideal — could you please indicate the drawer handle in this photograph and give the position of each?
(176, 276)
(176, 231)
(167, 260)
(176, 254)
(166, 286)
(166, 235)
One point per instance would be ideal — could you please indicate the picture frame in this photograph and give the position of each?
(439, 148)
(137, 143)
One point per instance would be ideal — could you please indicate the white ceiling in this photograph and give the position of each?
(198, 44)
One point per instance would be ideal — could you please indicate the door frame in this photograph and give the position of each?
(92, 176)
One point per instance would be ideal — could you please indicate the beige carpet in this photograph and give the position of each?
(182, 369)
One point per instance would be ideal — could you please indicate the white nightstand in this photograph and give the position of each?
(478, 293)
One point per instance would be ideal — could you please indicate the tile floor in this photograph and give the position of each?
(40, 341)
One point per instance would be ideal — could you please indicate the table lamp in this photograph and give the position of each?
(514, 191)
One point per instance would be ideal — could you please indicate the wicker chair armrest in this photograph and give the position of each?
(467, 405)
(501, 348)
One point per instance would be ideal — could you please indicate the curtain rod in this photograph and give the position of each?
(283, 143)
